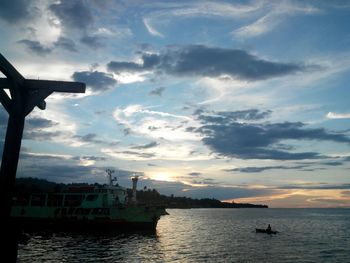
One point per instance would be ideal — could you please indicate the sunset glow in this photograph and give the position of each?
(245, 101)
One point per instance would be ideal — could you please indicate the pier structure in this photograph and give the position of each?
(22, 97)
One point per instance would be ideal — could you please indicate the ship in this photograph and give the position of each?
(86, 207)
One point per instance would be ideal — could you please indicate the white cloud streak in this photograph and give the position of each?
(276, 14)
(333, 115)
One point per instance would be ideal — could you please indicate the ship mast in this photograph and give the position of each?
(110, 179)
(134, 187)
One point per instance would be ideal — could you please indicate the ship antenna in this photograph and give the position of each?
(110, 180)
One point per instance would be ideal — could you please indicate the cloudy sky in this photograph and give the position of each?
(234, 100)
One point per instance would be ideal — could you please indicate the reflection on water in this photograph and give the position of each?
(208, 235)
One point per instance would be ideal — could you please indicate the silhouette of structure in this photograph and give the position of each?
(25, 94)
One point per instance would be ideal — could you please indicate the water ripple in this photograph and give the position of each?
(208, 235)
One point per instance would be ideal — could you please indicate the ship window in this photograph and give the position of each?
(73, 200)
(54, 200)
(38, 200)
(100, 211)
(21, 200)
(82, 211)
(91, 198)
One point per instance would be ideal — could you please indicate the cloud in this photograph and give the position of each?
(157, 92)
(222, 193)
(164, 13)
(315, 186)
(142, 155)
(194, 174)
(227, 137)
(89, 138)
(39, 123)
(332, 163)
(42, 50)
(66, 43)
(273, 15)
(66, 168)
(36, 47)
(73, 14)
(346, 193)
(199, 60)
(40, 135)
(94, 42)
(333, 115)
(223, 117)
(263, 168)
(15, 11)
(145, 146)
(151, 29)
(153, 124)
(3, 118)
(39, 129)
(96, 80)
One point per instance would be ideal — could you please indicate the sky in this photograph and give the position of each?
(244, 101)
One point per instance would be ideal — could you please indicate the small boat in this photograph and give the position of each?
(266, 231)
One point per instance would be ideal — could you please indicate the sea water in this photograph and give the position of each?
(208, 235)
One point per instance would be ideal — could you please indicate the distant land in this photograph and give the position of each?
(146, 196)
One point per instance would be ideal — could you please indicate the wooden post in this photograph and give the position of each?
(25, 95)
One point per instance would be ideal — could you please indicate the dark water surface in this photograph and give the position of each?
(209, 235)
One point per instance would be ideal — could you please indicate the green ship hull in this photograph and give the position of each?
(85, 208)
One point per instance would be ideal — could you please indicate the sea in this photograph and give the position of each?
(207, 235)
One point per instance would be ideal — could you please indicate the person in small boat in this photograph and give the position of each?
(268, 229)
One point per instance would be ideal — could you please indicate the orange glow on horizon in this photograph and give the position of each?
(301, 198)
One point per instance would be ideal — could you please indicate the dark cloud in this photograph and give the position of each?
(313, 186)
(59, 172)
(223, 193)
(98, 81)
(347, 159)
(40, 135)
(73, 14)
(302, 167)
(126, 131)
(118, 67)
(41, 157)
(16, 10)
(34, 129)
(157, 92)
(199, 60)
(224, 116)
(330, 201)
(223, 135)
(139, 154)
(39, 123)
(263, 168)
(345, 193)
(145, 47)
(36, 47)
(90, 158)
(94, 42)
(89, 138)
(145, 146)
(113, 143)
(194, 174)
(3, 118)
(66, 43)
(153, 128)
(66, 169)
(332, 163)
(42, 50)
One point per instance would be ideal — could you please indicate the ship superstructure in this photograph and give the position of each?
(107, 206)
